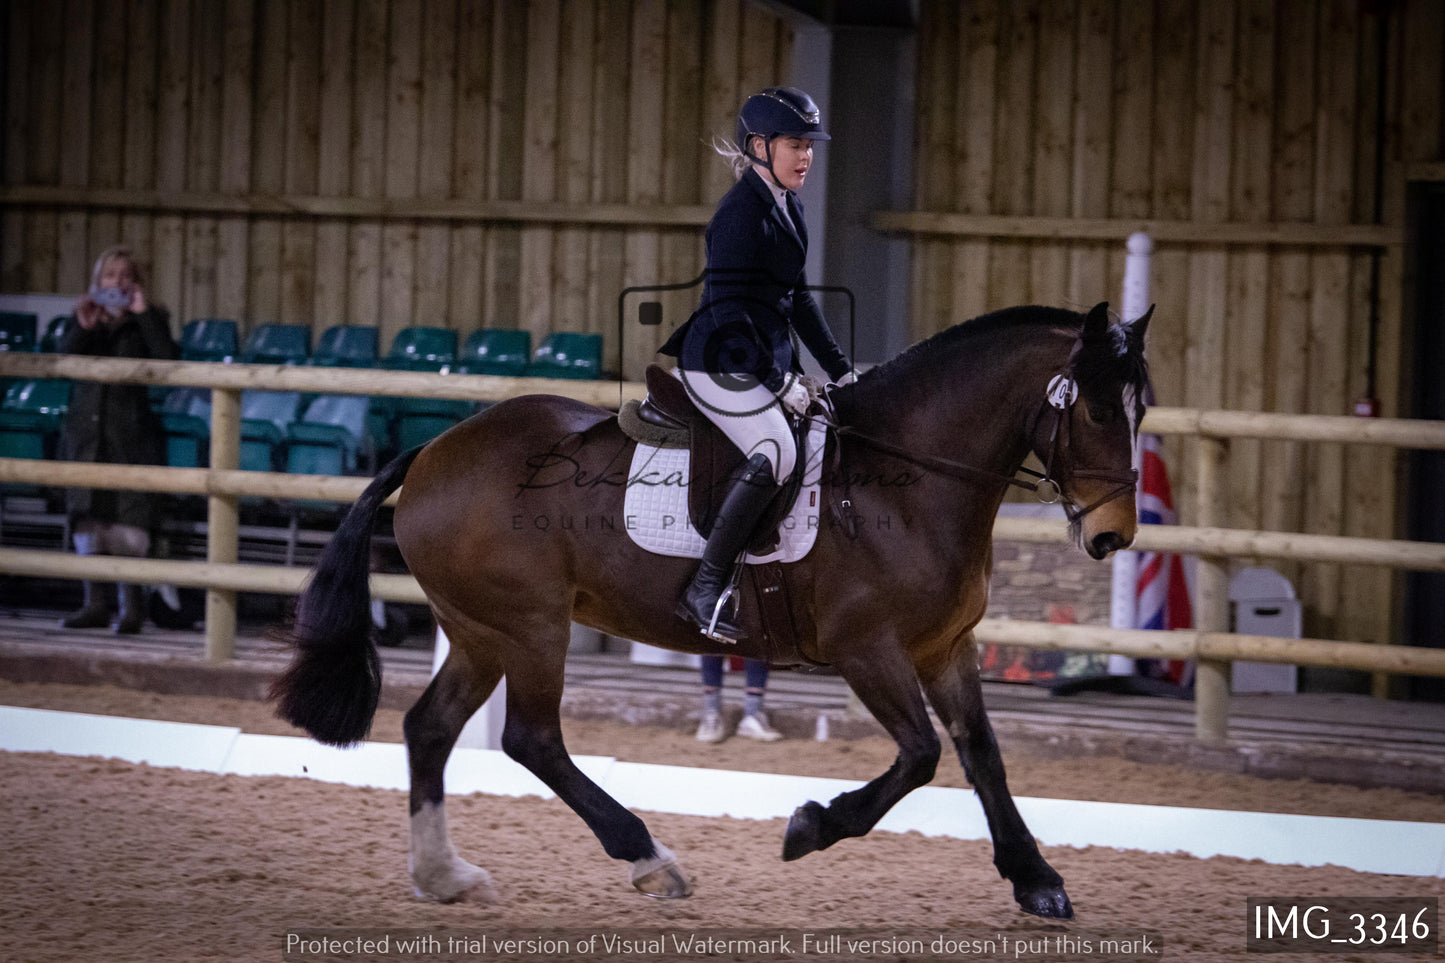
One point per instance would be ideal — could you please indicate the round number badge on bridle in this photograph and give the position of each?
(1063, 391)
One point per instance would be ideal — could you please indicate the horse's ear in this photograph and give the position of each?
(1096, 323)
(1136, 329)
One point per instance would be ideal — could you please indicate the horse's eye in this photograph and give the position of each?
(1100, 415)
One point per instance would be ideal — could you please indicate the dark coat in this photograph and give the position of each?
(755, 294)
(113, 422)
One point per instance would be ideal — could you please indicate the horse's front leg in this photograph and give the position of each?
(885, 681)
(957, 697)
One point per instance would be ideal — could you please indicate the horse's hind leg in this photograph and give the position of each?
(459, 688)
(957, 697)
(533, 737)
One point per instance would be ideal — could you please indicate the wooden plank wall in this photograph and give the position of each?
(1237, 111)
(580, 101)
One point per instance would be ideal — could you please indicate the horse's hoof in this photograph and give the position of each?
(1050, 902)
(659, 875)
(804, 831)
(467, 884)
(665, 882)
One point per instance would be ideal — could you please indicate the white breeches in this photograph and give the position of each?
(748, 413)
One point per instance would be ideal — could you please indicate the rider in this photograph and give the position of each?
(736, 353)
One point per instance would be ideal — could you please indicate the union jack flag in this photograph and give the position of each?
(1161, 589)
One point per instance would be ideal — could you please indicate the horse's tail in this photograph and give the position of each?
(332, 685)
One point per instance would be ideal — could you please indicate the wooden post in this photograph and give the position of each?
(1211, 603)
(223, 516)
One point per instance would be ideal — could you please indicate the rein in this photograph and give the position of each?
(1062, 392)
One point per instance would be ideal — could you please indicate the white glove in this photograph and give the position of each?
(795, 398)
(847, 379)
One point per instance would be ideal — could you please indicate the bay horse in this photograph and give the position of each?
(890, 601)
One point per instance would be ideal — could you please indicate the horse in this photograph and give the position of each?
(927, 445)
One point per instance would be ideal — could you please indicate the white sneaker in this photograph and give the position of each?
(710, 729)
(756, 727)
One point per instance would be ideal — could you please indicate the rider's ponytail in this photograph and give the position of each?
(733, 154)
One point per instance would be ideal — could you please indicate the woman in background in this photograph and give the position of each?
(113, 423)
(754, 723)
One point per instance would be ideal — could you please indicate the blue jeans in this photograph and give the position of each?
(712, 672)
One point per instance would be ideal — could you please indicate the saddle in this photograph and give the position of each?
(668, 418)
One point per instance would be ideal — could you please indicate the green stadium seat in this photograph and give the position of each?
(278, 344)
(496, 352)
(319, 449)
(17, 331)
(265, 418)
(30, 418)
(33, 408)
(422, 349)
(186, 417)
(329, 438)
(419, 420)
(209, 339)
(25, 434)
(415, 419)
(346, 346)
(568, 354)
(188, 440)
(46, 397)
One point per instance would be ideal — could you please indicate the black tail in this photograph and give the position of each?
(334, 681)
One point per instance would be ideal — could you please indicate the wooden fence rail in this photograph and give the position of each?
(223, 485)
(1178, 539)
(1392, 432)
(342, 381)
(370, 208)
(1215, 646)
(229, 576)
(1180, 644)
(935, 224)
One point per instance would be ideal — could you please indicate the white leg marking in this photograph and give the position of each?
(436, 869)
(659, 875)
(664, 857)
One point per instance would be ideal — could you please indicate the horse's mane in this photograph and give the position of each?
(936, 348)
(1120, 366)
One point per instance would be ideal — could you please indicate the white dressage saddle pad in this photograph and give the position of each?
(655, 507)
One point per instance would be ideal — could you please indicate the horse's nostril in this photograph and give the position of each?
(1106, 542)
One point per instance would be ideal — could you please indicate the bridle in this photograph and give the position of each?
(1046, 488)
(1062, 393)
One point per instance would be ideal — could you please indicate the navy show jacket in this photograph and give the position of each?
(754, 292)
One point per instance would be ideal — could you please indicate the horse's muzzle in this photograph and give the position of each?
(1104, 543)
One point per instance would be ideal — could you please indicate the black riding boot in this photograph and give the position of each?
(94, 610)
(131, 617)
(731, 530)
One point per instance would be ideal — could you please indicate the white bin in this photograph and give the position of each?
(1264, 604)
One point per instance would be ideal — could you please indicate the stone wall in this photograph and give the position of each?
(1041, 583)
(1044, 583)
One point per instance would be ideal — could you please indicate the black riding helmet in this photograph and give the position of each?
(778, 112)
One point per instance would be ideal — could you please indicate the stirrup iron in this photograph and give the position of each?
(724, 597)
